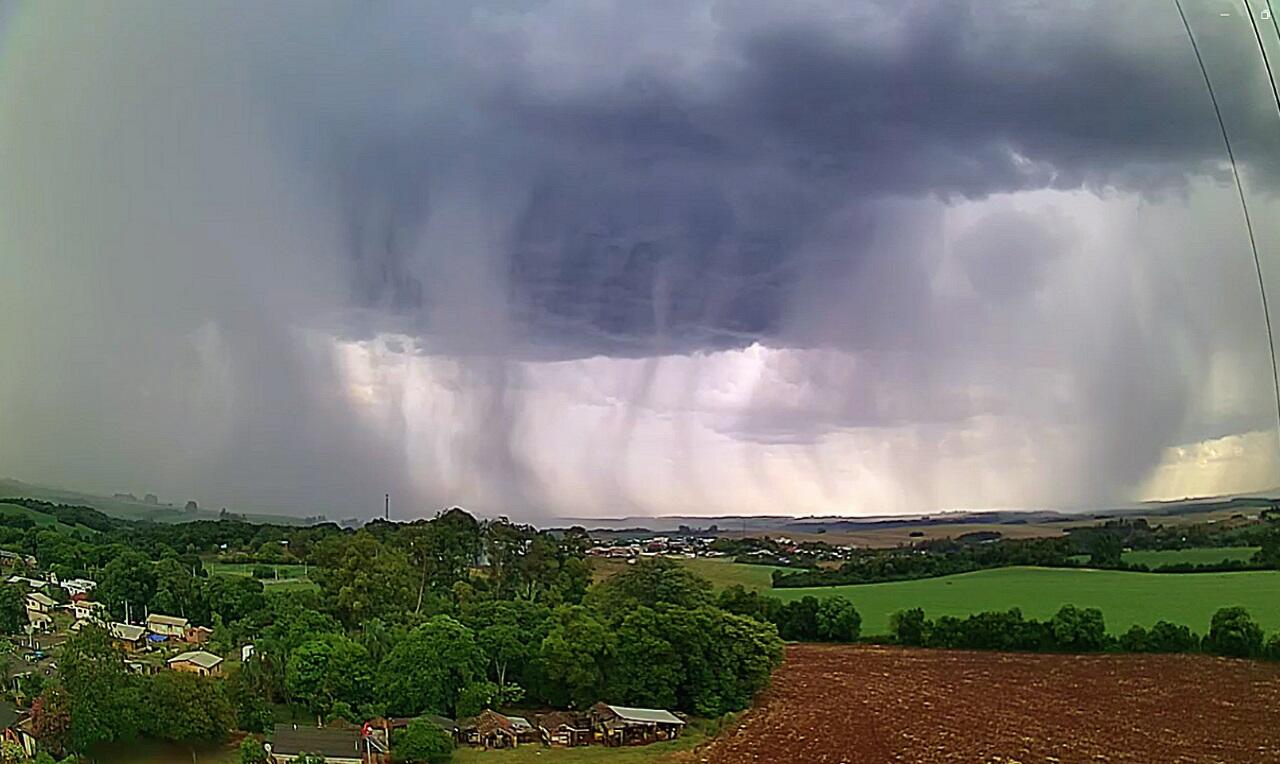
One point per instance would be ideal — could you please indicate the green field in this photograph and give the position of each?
(1124, 598)
(1197, 556)
(723, 573)
(45, 521)
(292, 577)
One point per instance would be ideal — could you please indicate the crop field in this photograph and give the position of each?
(865, 705)
(1124, 598)
(1197, 556)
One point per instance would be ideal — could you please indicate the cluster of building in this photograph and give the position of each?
(602, 724)
(656, 546)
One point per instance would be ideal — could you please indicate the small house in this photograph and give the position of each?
(40, 602)
(39, 621)
(622, 725)
(493, 730)
(129, 637)
(565, 728)
(16, 727)
(87, 610)
(336, 745)
(167, 625)
(196, 662)
(74, 586)
(198, 635)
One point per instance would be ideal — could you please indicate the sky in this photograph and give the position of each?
(557, 258)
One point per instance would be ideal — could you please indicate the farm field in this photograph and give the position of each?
(1196, 556)
(1124, 598)
(721, 572)
(859, 704)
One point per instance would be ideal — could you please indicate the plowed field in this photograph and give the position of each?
(857, 704)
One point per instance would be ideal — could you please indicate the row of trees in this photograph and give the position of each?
(1232, 632)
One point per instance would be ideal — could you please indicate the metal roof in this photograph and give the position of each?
(43, 599)
(328, 742)
(127, 631)
(167, 620)
(199, 657)
(645, 715)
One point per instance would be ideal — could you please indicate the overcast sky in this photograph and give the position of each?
(611, 258)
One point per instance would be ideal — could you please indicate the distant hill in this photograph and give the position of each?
(42, 520)
(127, 509)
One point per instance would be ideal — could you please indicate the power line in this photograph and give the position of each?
(1244, 205)
(1266, 62)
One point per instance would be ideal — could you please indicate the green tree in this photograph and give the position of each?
(252, 751)
(104, 702)
(427, 670)
(422, 742)
(13, 609)
(129, 577)
(838, 620)
(363, 578)
(648, 583)
(578, 655)
(908, 627)
(1079, 630)
(186, 708)
(51, 719)
(1233, 633)
(328, 669)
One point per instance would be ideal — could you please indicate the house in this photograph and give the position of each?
(39, 621)
(622, 725)
(32, 583)
(74, 586)
(40, 602)
(196, 662)
(88, 610)
(17, 727)
(10, 559)
(167, 625)
(126, 635)
(566, 728)
(336, 745)
(493, 730)
(198, 635)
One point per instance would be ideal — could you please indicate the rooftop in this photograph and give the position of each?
(644, 715)
(201, 658)
(327, 742)
(167, 620)
(43, 599)
(127, 631)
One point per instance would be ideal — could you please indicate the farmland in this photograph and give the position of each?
(42, 520)
(291, 577)
(1198, 556)
(862, 704)
(1124, 598)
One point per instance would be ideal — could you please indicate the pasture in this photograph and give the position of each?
(42, 520)
(290, 577)
(1124, 598)
(1197, 556)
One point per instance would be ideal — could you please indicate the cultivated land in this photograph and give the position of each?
(45, 521)
(1197, 556)
(867, 705)
(1124, 598)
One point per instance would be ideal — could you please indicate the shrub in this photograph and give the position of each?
(1079, 630)
(1234, 634)
(908, 627)
(423, 743)
(263, 571)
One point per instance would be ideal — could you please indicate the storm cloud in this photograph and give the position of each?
(565, 258)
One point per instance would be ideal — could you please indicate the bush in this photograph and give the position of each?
(1272, 649)
(1078, 630)
(422, 743)
(263, 571)
(1167, 637)
(908, 627)
(1233, 633)
(252, 752)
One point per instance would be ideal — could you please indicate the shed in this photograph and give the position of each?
(167, 625)
(491, 729)
(128, 636)
(624, 725)
(567, 728)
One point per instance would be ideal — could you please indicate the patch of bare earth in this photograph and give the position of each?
(856, 704)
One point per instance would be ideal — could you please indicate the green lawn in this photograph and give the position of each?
(591, 754)
(292, 577)
(1124, 598)
(1198, 556)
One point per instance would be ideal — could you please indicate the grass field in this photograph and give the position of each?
(292, 577)
(721, 572)
(45, 521)
(1198, 556)
(1124, 598)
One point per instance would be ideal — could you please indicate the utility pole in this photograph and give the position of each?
(386, 507)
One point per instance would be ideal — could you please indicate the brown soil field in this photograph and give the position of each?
(864, 704)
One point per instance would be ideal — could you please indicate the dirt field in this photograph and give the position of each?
(870, 704)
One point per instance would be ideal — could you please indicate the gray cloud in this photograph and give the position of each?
(507, 183)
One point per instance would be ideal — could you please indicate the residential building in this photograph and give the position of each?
(126, 635)
(337, 746)
(40, 602)
(197, 662)
(623, 725)
(167, 626)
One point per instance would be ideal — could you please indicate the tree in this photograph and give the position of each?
(104, 703)
(12, 753)
(422, 742)
(252, 751)
(13, 609)
(1233, 633)
(328, 669)
(577, 655)
(908, 627)
(51, 719)
(649, 583)
(428, 669)
(363, 578)
(1269, 553)
(1079, 630)
(186, 708)
(838, 620)
(1167, 637)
